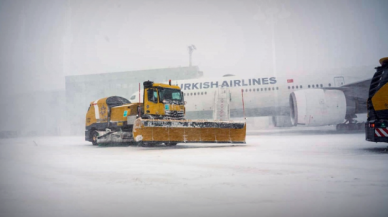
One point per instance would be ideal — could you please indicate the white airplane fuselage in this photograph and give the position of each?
(263, 96)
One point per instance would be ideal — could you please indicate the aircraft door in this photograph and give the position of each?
(339, 81)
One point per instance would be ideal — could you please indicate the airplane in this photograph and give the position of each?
(291, 101)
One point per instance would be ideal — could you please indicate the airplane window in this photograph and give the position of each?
(329, 84)
(273, 88)
(288, 87)
(265, 89)
(313, 86)
(321, 85)
(317, 86)
(253, 89)
(250, 90)
(300, 86)
(246, 90)
(195, 94)
(308, 86)
(205, 92)
(277, 88)
(292, 87)
(297, 87)
(201, 93)
(258, 89)
(261, 89)
(191, 94)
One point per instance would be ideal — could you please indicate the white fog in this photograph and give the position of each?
(279, 108)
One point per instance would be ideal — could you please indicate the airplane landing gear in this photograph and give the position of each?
(350, 124)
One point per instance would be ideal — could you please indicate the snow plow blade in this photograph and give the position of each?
(188, 131)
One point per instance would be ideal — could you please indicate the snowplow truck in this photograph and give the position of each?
(376, 127)
(159, 119)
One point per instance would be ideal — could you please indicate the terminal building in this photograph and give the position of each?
(83, 89)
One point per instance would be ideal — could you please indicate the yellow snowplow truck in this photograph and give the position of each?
(376, 127)
(159, 119)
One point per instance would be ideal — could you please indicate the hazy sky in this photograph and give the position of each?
(44, 40)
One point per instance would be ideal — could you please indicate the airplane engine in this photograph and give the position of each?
(317, 107)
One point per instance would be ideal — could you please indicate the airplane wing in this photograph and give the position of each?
(358, 91)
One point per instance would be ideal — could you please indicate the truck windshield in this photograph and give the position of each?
(168, 94)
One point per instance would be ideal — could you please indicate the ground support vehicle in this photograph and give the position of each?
(159, 119)
(376, 127)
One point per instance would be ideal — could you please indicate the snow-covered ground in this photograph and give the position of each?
(277, 173)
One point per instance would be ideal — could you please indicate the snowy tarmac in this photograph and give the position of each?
(277, 173)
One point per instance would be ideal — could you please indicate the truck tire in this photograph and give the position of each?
(94, 135)
(171, 144)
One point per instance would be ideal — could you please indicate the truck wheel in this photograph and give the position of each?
(94, 135)
(171, 144)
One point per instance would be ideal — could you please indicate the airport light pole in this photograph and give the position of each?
(191, 49)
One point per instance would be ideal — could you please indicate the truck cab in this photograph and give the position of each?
(162, 101)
